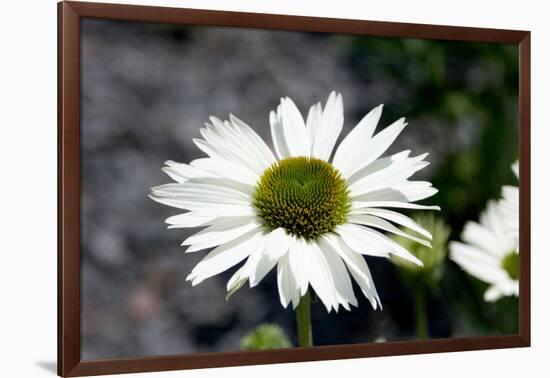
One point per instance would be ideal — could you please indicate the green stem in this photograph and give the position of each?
(420, 314)
(303, 320)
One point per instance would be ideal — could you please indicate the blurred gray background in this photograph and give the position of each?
(148, 88)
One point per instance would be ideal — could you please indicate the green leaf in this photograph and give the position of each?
(266, 336)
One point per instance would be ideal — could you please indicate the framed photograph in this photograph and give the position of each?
(241, 188)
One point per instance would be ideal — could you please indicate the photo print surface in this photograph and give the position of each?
(254, 189)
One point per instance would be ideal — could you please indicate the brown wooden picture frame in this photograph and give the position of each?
(69, 327)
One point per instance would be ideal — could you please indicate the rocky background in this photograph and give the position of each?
(148, 88)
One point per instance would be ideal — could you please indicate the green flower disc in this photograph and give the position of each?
(305, 195)
(510, 264)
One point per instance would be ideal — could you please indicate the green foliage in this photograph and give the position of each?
(266, 336)
(461, 99)
(433, 258)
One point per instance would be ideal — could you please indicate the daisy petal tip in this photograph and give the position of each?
(233, 119)
(377, 110)
(192, 248)
(423, 156)
(196, 280)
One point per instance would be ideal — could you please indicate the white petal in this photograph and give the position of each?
(285, 282)
(207, 208)
(320, 276)
(214, 153)
(357, 205)
(277, 243)
(313, 122)
(367, 241)
(225, 141)
(501, 289)
(330, 127)
(275, 247)
(277, 134)
(297, 250)
(358, 268)
(209, 196)
(236, 281)
(188, 220)
(515, 168)
(342, 282)
(509, 287)
(255, 142)
(294, 129)
(400, 219)
(360, 242)
(201, 191)
(481, 237)
(372, 221)
(221, 233)
(378, 165)
(414, 190)
(351, 151)
(249, 268)
(224, 257)
(495, 219)
(228, 142)
(227, 169)
(388, 177)
(477, 263)
(408, 191)
(492, 294)
(296, 296)
(181, 172)
(377, 146)
(223, 183)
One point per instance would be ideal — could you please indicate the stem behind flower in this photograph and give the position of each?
(303, 320)
(421, 321)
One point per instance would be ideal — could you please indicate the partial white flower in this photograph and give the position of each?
(510, 206)
(310, 216)
(490, 253)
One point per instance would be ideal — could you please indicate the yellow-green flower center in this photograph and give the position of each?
(510, 264)
(306, 196)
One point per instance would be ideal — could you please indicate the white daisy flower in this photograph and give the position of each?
(490, 253)
(310, 216)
